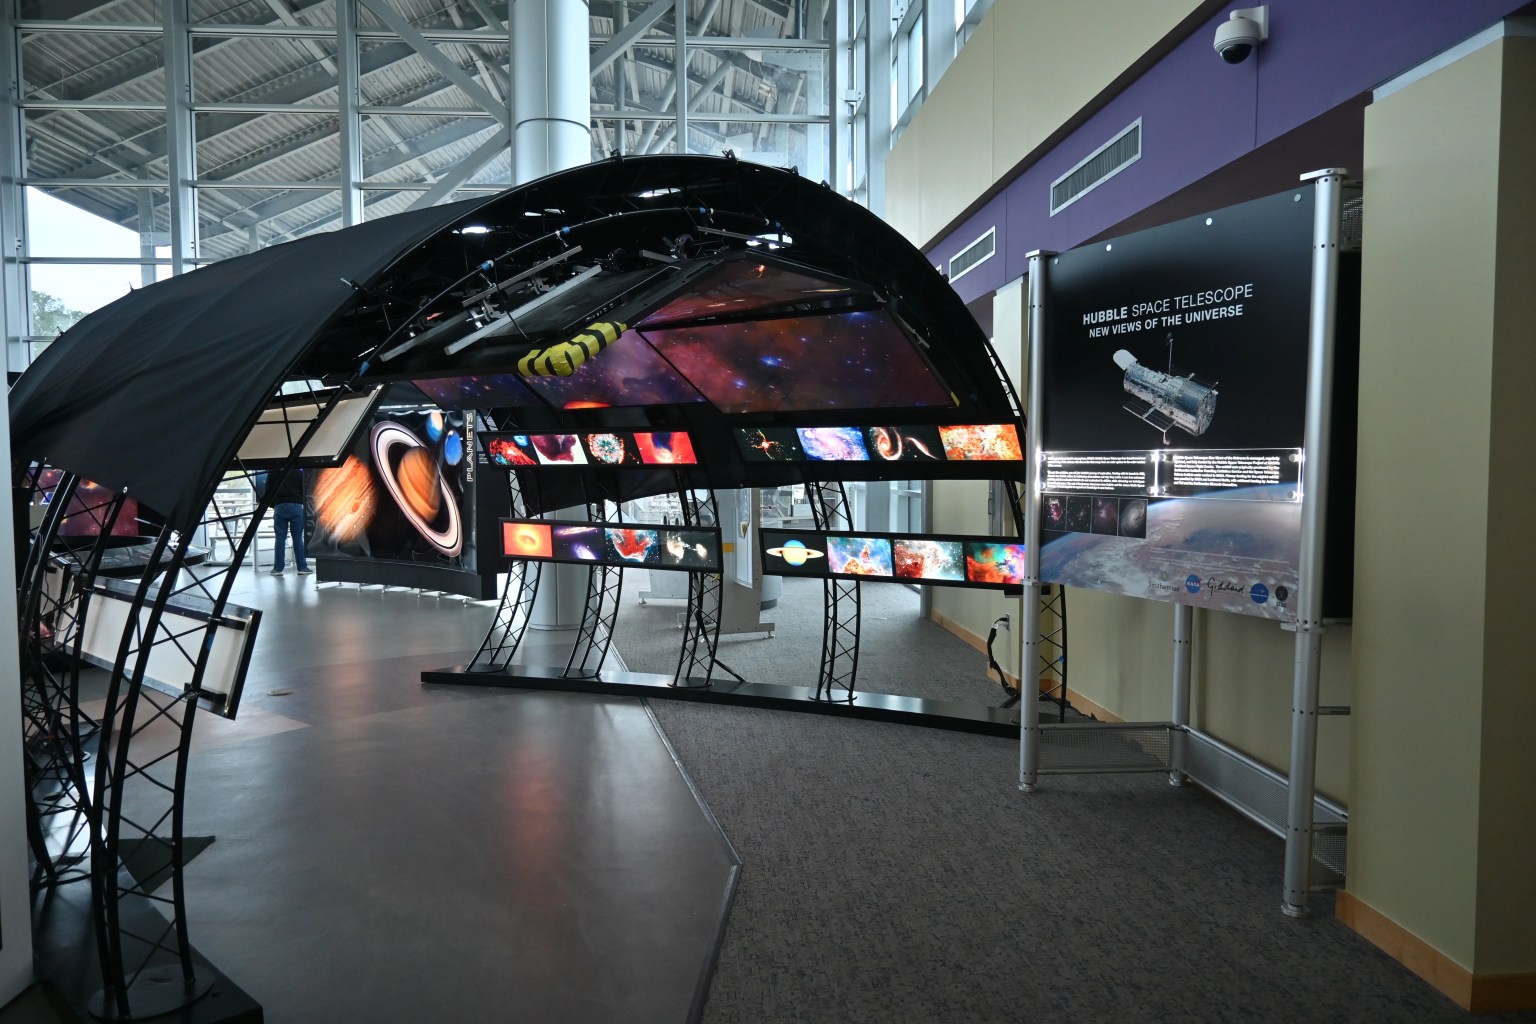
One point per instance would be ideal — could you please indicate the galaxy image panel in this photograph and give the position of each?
(494, 391)
(1053, 512)
(628, 372)
(611, 449)
(558, 450)
(790, 554)
(859, 556)
(579, 543)
(1133, 518)
(929, 560)
(1106, 516)
(741, 286)
(632, 547)
(1079, 513)
(904, 444)
(799, 364)
(991, 442)
(833, 444)
(511, 450)
(689, 549)
(769, 444)
(990, 562)
(526, 540)
(666, 448)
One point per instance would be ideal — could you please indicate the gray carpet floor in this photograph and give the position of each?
(900, 652)
(894, 874)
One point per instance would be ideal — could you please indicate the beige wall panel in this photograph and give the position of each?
(956, 161)
(904, 185)
(1051, 58)
(1507, 839)
(1431, 178)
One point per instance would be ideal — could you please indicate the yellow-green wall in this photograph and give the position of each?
(1011, 86)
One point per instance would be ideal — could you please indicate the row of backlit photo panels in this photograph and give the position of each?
(987, 442)
(880, 557)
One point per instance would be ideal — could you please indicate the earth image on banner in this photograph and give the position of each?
(1247, 536)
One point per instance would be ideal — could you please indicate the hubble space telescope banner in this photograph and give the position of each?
(1175, 370)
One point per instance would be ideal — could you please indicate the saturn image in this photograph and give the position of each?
(794, 553)
(410, 474)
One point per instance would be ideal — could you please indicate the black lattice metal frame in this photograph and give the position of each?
(701, 621)
(604, 587)
(133, 798)
(518, 592)
(840, 601)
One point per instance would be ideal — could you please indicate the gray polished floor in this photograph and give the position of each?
(392, 852)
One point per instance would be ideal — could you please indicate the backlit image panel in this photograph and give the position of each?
(526, 540)
(917, 559)
(689, 549)
(492, 391)
(578, 543)
(799, 364)
(904, 444)
(992, 562)
(666, 448)
(611, 449)
(558, 450)
(511, 450)
(741, 286)
(833, 444)
(791, 553)
(859, 556)
(990, 442)
(628, 372)
(769, 444)
(627, 546)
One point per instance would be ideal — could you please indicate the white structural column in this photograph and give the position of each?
(14, 314)
(551, 87)
(181, 147)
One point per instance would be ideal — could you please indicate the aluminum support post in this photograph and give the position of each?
(1314, 512)
(349, 132)
(680, 62)
(181, 149)
(1183, 631)
(1029, 628)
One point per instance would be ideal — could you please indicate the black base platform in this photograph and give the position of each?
(883, 707)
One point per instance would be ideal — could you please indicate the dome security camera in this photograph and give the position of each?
(1238, 35)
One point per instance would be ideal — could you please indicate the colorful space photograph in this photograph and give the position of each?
(991, 442)
(991, 562)
(858, 556)
(929, 560)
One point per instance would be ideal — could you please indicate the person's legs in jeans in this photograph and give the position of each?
(282, 524)
(299, 553)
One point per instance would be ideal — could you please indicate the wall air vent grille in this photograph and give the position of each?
(973, 255)
(1098, 167)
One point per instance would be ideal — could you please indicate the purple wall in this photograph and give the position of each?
(1199, 114)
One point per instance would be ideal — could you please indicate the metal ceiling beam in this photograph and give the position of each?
(462, 171)
(434, 56)
(625, 37)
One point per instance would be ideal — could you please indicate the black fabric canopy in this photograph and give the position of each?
(149, 393)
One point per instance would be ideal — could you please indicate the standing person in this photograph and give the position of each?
(287, 496)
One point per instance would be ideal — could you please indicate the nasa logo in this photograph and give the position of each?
(1259, 592)
(1192, 583)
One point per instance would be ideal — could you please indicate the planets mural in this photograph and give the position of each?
(345, 499)
(410, 474)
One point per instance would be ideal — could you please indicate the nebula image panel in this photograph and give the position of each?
(1106, 516)
(904, 444)
(786, 553)
(666, 448)
(769, 444)
(690, 549)
(558, 450)
(579, 543)
(859, 556)
(511, 450)
(1133, 518)
(632, 547)
(611, 449)
(991, 442)
(833, 444)
(740, 286)
(1053, 512)
(1079, 513)
(929, 560)
(496, 391)
(799, 364)
(992, 562)
(526, 540)
(628, 372)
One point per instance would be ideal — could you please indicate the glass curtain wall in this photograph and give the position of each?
(153, 136)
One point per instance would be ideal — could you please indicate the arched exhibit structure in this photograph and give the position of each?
(660, 325)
